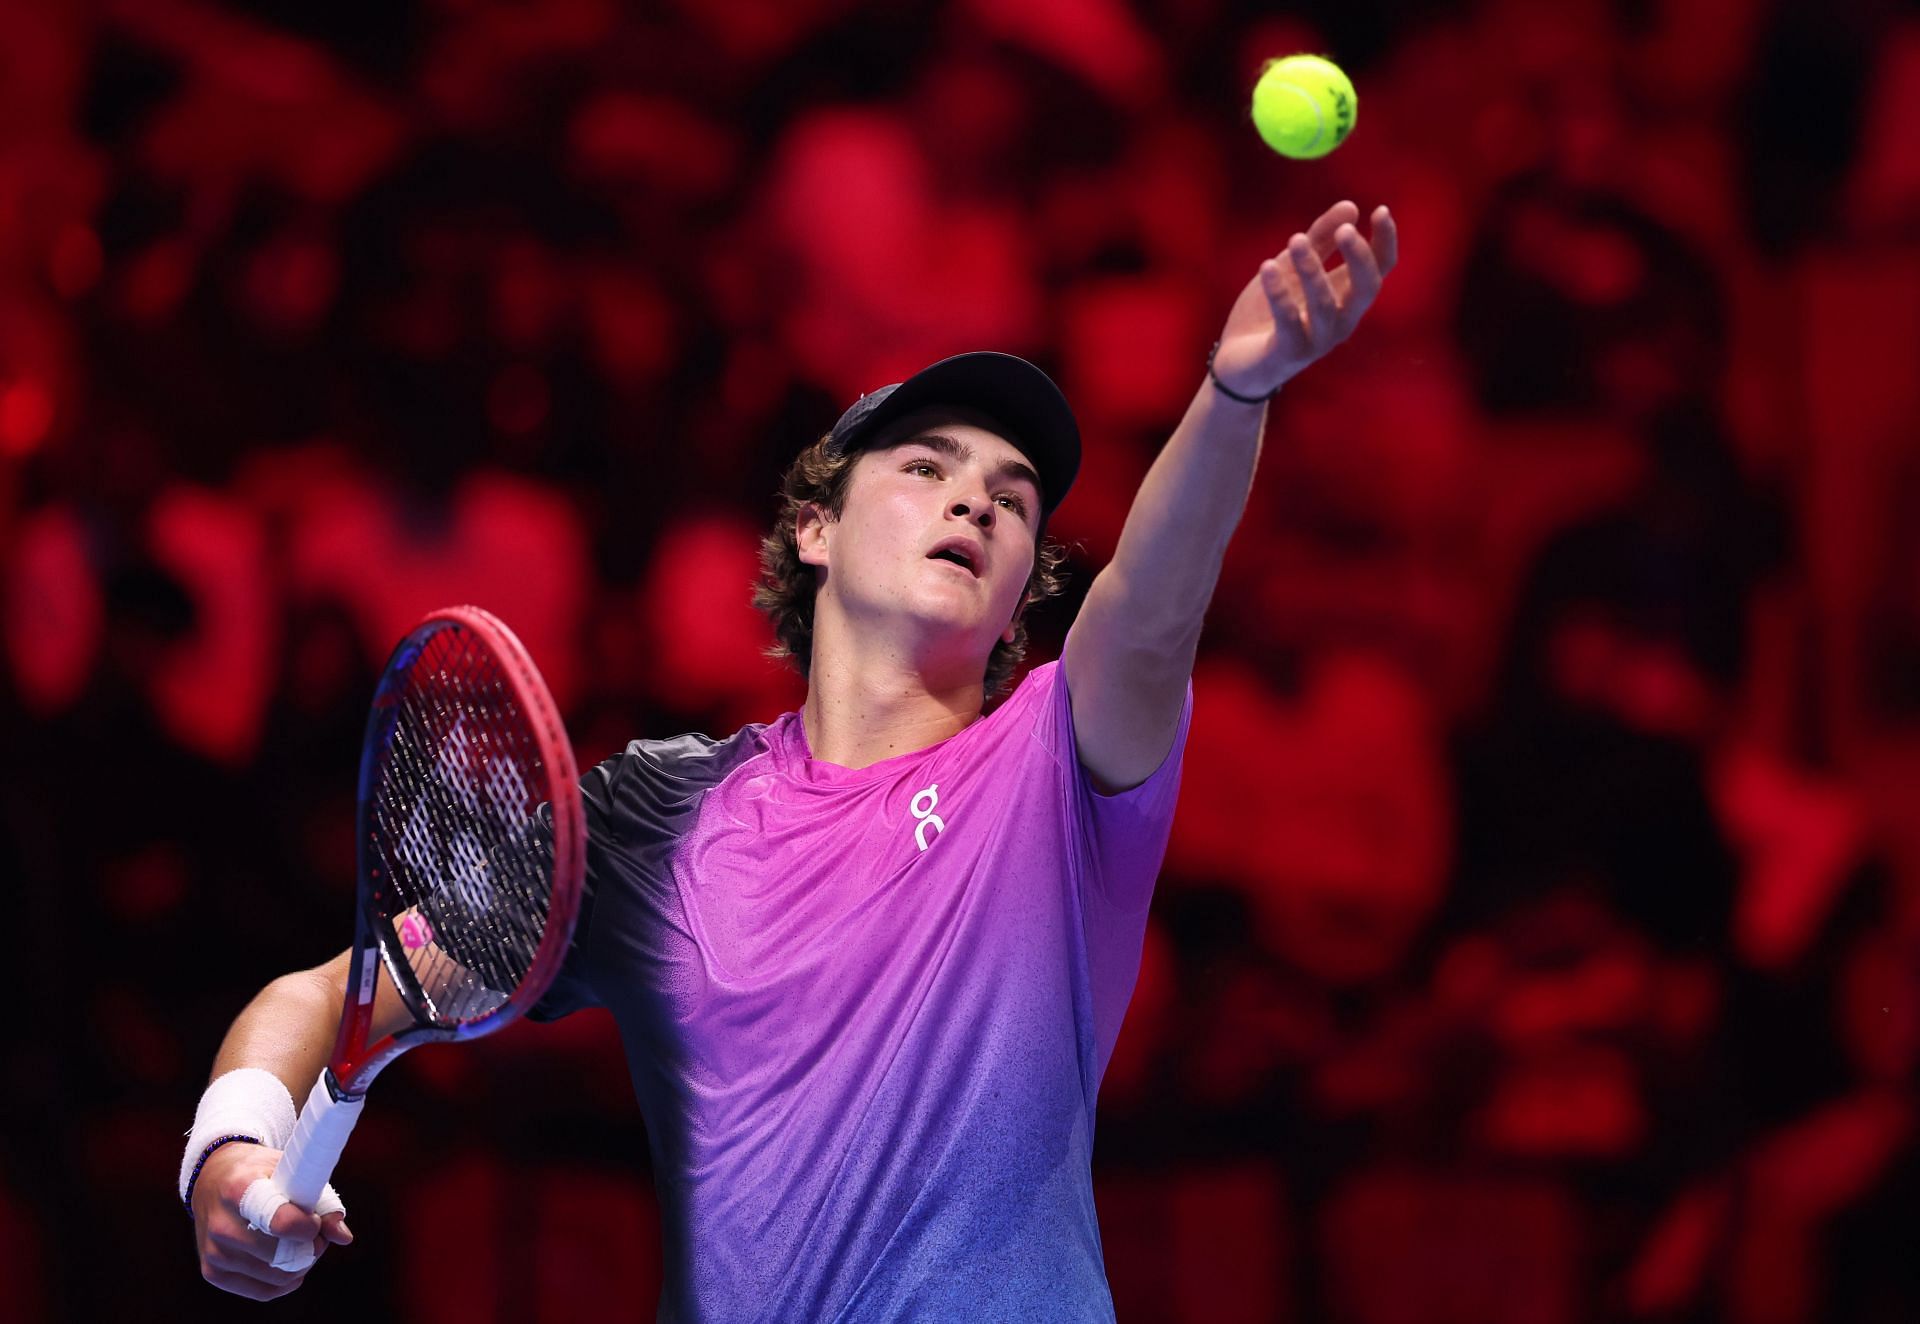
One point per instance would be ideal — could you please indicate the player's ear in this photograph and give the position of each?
(810, 534)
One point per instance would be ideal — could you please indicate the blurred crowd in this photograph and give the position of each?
(1539, 941)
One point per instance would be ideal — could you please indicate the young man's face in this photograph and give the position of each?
(933, 482)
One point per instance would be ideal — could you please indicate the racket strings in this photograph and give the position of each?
(467, 856)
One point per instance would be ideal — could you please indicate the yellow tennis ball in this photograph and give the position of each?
(1304, 106)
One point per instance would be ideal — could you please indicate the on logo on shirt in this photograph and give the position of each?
(926, 816)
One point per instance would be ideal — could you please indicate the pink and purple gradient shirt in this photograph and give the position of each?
(867, 1010)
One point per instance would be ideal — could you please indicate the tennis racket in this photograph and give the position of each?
(471, 845)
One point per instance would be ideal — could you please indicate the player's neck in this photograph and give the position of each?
(876, 706)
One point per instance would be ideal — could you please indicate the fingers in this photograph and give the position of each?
(290, 1220)
(231, 1233)
(1323, 306)
(241, 1285)
(238, 1261)
(1363, 271)
(290, 1223)
(1321, 233)
(236, 1258)
(1386, 239)
(1281, 286)
(1325, 234)
(1314, 308)
(1333, 301)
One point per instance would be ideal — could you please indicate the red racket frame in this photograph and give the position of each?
(354, 1063)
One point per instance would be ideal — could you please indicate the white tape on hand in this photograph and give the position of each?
(262, 1200)
(294, 1255)
(329, 1203)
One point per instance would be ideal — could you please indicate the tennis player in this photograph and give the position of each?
(869, 960)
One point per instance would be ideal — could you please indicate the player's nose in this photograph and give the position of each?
(973, 503)
(973, 510)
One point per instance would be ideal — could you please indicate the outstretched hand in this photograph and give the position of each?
(1294, 309)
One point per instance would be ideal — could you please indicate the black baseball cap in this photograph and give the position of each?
(1022, 401)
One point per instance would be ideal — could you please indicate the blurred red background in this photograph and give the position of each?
(1538, 943)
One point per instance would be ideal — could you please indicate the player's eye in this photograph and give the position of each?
(1015, 503)
(917, 465)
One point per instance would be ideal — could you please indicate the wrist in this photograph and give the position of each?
(249, 1104)
(1237, 397)
(206, 1153)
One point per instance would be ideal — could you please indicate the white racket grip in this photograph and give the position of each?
(319, 1138)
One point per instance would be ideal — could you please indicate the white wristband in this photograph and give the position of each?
(248, 1101)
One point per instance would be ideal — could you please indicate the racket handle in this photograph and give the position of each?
(319, 1137)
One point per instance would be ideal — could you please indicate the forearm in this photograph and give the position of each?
(1175, 538)
(287, 1029)
(1130, 652)
(251, 1240)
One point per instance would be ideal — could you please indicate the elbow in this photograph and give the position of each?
(323, 985)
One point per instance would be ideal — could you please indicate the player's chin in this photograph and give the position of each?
(950, 615)
(961, 631)
(982, 596)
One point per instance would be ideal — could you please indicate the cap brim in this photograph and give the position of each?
(1031, 411)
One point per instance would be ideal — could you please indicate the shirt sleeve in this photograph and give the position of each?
(1118, 843)
(1123, 836)
(573, 987)
(638, 806)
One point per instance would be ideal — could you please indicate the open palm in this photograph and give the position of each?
(1294, 309)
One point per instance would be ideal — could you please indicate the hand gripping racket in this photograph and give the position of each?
(471, 845)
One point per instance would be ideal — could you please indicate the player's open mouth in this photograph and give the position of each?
(960, 552)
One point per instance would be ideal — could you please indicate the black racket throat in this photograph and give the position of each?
(336, 1091)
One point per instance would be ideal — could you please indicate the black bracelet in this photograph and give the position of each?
(1228, 391)
(206, 1154)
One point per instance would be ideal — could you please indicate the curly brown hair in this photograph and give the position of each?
(786, 588)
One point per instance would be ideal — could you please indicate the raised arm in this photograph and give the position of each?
(1132, 646)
